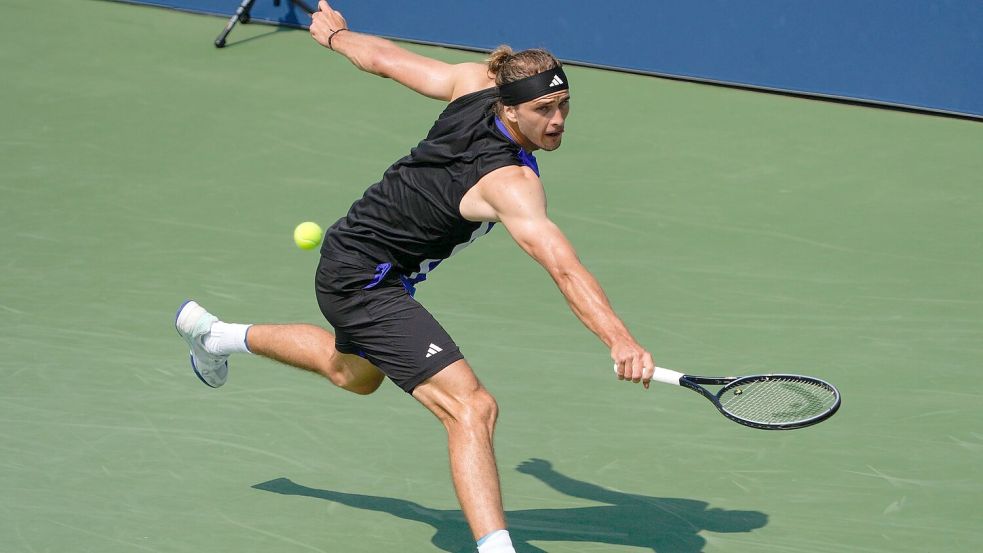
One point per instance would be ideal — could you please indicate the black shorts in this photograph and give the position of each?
(378, 319)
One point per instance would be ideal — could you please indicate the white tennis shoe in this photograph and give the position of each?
(193, 323)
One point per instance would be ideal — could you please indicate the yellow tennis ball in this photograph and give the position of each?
(308, 235)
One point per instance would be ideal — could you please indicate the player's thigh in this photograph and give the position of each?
(456, 395)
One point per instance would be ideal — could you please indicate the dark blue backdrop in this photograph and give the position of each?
(918, 53)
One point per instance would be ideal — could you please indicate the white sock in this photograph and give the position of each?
(496, 542)
(226, 338)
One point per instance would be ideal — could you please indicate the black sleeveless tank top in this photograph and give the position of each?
(410, 221)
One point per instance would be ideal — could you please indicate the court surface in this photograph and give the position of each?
(734, 232)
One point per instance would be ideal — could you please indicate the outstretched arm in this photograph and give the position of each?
(397, 507)
(430, 77)
(516, 197)
(543, 470)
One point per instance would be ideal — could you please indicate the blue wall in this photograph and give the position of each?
(918, 53)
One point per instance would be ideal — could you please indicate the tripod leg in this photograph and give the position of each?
(242, 14)
(303, 6)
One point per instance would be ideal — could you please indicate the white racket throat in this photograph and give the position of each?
(666, 376)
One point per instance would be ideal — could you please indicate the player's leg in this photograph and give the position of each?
(407, 343)
(301, 345)
(312, 348)
(468, 412)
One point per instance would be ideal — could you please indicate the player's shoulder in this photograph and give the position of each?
(470, 78)
(506, 191)
(510, 183)
(512, 175)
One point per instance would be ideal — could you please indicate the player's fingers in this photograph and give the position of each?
(640, 375)
(323, 6)
(629, 369)
(649, 369)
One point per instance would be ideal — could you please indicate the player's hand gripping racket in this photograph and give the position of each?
(766, 401)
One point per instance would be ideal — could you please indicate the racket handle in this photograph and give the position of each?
(666, 376)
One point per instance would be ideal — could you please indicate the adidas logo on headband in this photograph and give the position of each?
(557, 81)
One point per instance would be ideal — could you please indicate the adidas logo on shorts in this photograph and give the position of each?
(433, 350)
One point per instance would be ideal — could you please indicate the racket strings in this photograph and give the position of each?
(778, 400)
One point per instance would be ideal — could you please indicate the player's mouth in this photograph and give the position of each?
(555, 134)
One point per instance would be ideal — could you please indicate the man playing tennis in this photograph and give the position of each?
(475, 168)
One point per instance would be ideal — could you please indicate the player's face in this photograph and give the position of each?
(541, 121)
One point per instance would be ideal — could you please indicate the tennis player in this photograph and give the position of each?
(474, 169)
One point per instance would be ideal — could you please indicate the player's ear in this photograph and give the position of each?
(510, 113)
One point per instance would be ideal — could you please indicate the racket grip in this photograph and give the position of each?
(666, 376)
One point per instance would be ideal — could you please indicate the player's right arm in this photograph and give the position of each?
(430, 77)
(515, 196)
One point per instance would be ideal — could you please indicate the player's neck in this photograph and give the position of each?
(518, 137)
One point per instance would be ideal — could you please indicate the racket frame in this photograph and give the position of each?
(696, 383)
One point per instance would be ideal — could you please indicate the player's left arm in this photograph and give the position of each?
(516, 197)
(382, 57)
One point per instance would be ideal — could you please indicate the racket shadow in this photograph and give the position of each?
(662, 524)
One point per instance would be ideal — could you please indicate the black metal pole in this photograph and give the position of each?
(242, 14)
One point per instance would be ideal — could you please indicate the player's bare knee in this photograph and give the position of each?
(332, 367)
(473, 411)
(491, 409)
(364, 386)
(335, 368)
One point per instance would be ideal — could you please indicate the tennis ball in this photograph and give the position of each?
(308, 235)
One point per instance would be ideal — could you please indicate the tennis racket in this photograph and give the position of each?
(765, 401)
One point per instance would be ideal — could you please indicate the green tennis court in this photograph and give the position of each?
(734, 231)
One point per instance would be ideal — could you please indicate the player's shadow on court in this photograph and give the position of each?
(663, 524)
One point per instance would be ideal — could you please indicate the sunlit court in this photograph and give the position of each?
(736, 228)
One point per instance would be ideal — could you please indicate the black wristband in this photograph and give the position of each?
(331, 36)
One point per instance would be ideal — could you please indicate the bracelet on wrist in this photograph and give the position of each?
(331, 36)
